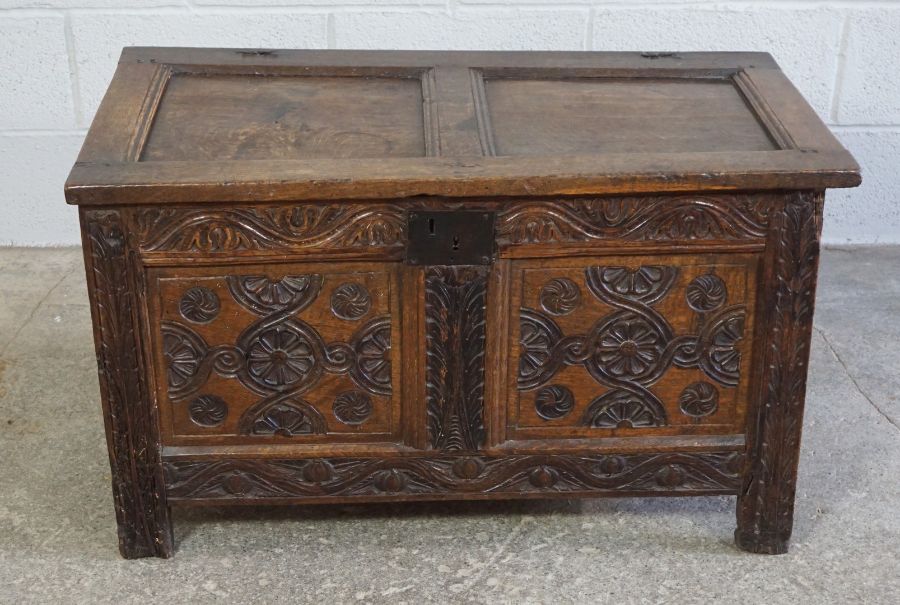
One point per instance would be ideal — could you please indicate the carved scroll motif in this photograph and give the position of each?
(343, 225)
(348, 225)
(711, 472)
(651, 218)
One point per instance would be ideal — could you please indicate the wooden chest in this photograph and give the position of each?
(327, 276)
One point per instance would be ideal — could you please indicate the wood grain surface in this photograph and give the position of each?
(633, 319)
(294, 125)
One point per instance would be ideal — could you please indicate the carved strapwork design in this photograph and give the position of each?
(263, 295)
(141, 510)
(185, 353)
(651, 218)
(280, 357)
(325, 226)
(632, 347)
(766, 501)
(454, 368)
(687, 473)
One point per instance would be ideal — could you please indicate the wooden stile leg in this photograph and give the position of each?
(765, 505)
(138, 489)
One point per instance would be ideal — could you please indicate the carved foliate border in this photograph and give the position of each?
(650, 218)
(382, 225)
(409, 477)
(249, 228)
(139, 497)
(766, 500)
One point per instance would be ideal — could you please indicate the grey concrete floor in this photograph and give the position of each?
(58, 540)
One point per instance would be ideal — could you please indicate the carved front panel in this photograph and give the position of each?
(617, 346)
(276, 353)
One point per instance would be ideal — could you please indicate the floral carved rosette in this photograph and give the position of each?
(631, 348)
(279, 356)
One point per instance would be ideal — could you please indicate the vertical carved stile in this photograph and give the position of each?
(139, 497)
(455, 338)
(766, 500)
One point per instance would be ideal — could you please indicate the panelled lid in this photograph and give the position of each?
(193, 125)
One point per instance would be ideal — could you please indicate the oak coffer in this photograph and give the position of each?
(329, 276)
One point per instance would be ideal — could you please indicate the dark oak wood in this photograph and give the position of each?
(335, 276)
(278, 351)
(455, 299)
(287, 117)
(477, 477)
(612, 115)
(687, 122)
(612, 346)
(131, 431)
(766, 501)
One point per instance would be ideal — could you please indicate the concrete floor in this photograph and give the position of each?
(58, 541)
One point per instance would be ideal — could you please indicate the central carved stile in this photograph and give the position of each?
(455, 336)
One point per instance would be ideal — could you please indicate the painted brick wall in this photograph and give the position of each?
(57, 57)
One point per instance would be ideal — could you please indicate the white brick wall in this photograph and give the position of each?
(58, 55)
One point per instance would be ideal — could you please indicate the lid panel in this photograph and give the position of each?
(253, 117)
(606, 115)
(190, 125)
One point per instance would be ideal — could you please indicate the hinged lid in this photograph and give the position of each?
(191, 125)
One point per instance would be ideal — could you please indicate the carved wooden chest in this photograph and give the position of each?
(358, 276)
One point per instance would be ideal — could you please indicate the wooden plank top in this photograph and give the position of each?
(230, 125)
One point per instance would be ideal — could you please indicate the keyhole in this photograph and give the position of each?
(456, 242)
(431, 226)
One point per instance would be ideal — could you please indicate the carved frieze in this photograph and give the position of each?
(411, 476)
(651, 218)
(348, 225)
(344, 225)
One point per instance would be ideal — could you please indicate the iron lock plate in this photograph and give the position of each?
(453, 237)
